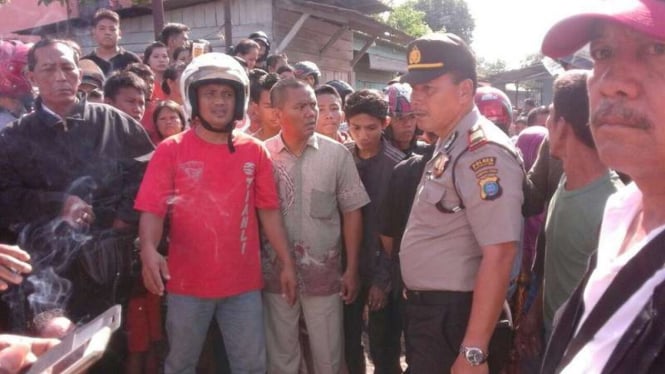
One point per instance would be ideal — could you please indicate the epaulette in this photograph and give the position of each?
(477, 137)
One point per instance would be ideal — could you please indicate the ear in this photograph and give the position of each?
(31, 77)
(386, 122)
(466, 90)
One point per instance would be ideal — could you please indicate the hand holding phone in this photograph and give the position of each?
(81, 348)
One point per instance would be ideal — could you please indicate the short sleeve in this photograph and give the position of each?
(266, 188)
(351, 194)
(157, 186)
(490, 182)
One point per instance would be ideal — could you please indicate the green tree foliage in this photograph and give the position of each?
(449, 16)
(406, 18)
(532, 59)
(490, 68)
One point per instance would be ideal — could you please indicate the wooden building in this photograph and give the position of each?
(340, 36)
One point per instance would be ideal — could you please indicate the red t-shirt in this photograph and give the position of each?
(213, 195)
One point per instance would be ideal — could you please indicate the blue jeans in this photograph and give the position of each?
(240, 319)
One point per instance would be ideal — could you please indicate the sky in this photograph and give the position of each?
(513, 29)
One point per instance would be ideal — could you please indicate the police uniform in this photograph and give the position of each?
(469, 196)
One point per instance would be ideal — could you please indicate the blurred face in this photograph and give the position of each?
(366, 131)
(184, 56)
(150, 84)
(404, 127)
(168, 122)
(251, 57)
(129, 100)
(440, 103)
(159, 60)
(56, 75)
(287, 75)
(517, 127)
(626, 96)
(541, 119)
(178, 40)
(299, 113)
(216, 104)
(330, 115)
(106, 33)
(264, 113)
(262, 47)
(555, 134)
(174, 87)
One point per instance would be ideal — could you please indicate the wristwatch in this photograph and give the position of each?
(474, 355)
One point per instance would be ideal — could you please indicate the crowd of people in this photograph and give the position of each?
(251, 218)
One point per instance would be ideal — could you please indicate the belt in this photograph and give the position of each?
(438, 297)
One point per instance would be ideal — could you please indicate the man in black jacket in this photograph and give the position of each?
(614, 321)
(69, 172)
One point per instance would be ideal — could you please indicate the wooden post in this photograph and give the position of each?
(292, 33)
(228, 26)
(158, 17)
(362, 51)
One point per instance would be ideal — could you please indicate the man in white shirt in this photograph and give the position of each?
(626, 92)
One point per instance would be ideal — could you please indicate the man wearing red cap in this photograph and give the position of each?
(613, 322)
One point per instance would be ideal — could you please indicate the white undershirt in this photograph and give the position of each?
(621, 209)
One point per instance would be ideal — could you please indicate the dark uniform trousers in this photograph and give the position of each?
(434, 326)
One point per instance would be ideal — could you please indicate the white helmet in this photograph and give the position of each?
(219, 68)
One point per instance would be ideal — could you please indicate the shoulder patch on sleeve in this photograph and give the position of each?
(477, 137)
(490, 189)
(482, 162)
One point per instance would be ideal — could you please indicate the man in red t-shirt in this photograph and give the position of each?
(217, 186)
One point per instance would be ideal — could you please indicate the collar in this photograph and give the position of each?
(461, 129)
(313, 142)
(119, 51)
(51, 119)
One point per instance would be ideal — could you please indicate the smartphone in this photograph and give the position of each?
(81, 348)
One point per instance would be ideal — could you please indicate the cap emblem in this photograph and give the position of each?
(414, 56)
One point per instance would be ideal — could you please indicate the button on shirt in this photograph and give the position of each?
(442, 251)
(313, 189)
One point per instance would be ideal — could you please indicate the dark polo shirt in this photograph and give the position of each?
(116, 63)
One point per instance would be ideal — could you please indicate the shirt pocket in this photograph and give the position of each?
(441, 194)
(432, 192)
(322, 204)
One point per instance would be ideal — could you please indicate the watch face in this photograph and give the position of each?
(475, 356)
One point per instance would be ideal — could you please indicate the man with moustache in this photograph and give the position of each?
(318, 184)
(613, 322)
(462, 234)
(70, 171)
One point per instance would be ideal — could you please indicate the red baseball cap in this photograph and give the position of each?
(572, 33)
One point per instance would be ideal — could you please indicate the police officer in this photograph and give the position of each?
(465, 223)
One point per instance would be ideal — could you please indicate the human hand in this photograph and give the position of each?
(154, 269)
(462, 366)
(376, 299)
(287, 279)
(350, 283)
(77, 212)
(18, 352)
(13, 262)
